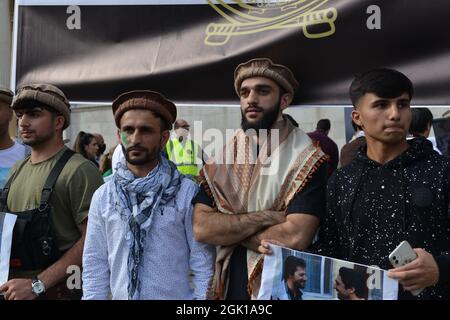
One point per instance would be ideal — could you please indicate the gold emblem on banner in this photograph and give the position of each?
(255, 16)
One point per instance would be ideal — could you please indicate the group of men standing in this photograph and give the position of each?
(153, 233)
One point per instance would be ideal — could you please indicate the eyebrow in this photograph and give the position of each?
(30, 110)
(258, 86)
(388, 100)
(380, 100)
(125, 127)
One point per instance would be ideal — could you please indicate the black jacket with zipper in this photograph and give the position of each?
(371, 208)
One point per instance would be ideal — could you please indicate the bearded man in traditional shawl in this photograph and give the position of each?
(269, 182)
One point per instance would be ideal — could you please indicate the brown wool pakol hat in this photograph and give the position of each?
(46, 94)
(146, 100)
(264, 67)
(6, 95)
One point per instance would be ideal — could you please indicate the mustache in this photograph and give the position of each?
(253, 108)
(136, 148)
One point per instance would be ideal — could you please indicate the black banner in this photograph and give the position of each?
(189, 51)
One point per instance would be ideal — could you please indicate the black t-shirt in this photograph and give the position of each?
(311, 200)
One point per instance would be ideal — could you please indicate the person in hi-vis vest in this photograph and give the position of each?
(183, 151)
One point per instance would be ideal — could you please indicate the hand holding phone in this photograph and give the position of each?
(403, 255)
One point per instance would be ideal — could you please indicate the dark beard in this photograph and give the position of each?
(40, 140)
(149, 156)
(266, 122)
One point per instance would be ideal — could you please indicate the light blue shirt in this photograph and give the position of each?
(8, 158)
(170, 251)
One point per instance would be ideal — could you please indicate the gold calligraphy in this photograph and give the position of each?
(251, 17)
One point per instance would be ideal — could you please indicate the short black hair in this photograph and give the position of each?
(291, 264)
(354, 279)
(421, 119)
(385, 83)
(323, 125)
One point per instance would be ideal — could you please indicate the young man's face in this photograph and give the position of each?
(300, 278)
(37, 125)
(5, 117)
(339, 286)
(141, 136)
(383, 120)
(261, 103)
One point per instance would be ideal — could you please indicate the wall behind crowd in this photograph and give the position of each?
(99, 119)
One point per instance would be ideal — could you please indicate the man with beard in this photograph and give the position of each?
(294, 280)
(351, 284)
(139, 242)
(268, 188)
(50, 192)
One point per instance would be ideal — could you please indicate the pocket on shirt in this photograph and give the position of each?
(170, 220)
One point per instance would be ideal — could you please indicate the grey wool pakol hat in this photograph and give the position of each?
(145, 100)
(46, 94)
(264, 67)
(6, 95)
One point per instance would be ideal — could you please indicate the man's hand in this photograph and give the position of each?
(264, 247)
(18, 289)
(421, 273)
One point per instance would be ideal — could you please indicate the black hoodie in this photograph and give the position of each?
(371, 208)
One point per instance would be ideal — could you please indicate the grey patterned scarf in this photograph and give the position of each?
(138, 199)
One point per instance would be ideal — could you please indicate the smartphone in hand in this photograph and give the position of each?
(403, 255)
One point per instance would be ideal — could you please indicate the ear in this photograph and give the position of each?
(10, 114)
(119, 141)
(356, 118)
(165, 135)
(59, 122)
(285, 100)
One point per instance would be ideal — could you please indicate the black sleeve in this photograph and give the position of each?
(328, 240)
(311, 200)
(203, 197)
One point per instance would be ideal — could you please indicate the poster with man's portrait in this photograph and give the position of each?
(295, 275)
(441, 129)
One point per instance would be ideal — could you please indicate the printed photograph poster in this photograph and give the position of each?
(7, 222)
(295, 275)
(441, 129)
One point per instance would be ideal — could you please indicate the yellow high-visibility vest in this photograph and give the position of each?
(184, 156)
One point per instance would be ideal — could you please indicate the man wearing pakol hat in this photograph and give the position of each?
(10, 150)
(50, 192)
(262, 190)
(139, 242)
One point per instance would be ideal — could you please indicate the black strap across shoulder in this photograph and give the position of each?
(52, 177)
